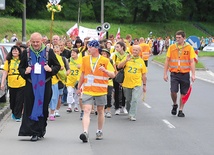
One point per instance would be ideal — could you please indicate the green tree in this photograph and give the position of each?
(13, 7)
(198, 10)
(122, 11)
(155, 11)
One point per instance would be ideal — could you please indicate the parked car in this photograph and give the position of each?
(3, 55)
(8, 46)
(209, 48)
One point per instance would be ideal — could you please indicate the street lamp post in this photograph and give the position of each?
(102, 12)
(79, 13)
(24, 22)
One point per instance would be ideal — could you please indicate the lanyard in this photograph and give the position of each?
(72, 60)
(93, 66)
(37, 54)
(180, 50)
(135, 58)
(121, 56)
(16, 62)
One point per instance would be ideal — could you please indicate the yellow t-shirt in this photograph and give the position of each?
(80, 53)
(117, 57)
(133, 72)
(75, 73)
(112, 49)
(55, 79)
(14, 78)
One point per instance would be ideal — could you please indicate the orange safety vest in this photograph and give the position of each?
(180, 59)
(100, 79)
(145, 51)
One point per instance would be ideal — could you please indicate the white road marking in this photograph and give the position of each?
(206, 80)
(210, 72)
(168, 123)
(146, 105)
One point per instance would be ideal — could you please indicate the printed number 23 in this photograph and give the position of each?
(74, 72)
(132, 70)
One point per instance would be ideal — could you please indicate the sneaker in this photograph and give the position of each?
(108, 115)
(181, 114)
(76, 109)
(65, 104)
(18, 119)
(132, 118)
(174, 109)
(56, 113)
(99, 135)
(123, 110)
(84, 137)
(117, 112)
(13, 117)
(92, 111)
(81, 114)
(69, 110)
(51, 118)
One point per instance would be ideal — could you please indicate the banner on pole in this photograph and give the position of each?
(86, 32)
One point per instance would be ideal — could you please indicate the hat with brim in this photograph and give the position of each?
(109, 41)
(106, 50)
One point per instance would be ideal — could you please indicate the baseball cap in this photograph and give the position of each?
(94, 43)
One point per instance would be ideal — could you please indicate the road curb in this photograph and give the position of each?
(4, 111)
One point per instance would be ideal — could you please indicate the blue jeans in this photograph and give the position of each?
(64, 96)
(55, 96)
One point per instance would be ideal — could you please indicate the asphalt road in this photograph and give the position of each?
(208, 62)
(156, 131)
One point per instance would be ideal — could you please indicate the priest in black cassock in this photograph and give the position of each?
(38, 64)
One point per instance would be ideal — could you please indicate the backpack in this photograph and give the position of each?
(61, 75)
(29, 58)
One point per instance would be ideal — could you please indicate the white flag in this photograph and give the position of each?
(73, 31)
(118, 34)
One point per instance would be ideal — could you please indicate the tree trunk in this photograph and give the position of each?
(135, 15)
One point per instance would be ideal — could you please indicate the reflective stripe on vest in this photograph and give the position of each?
(96, 85)
(97, 80)
(97, 77)
(181, 64)
(100, 79)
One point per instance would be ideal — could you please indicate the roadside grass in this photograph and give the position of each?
(206, 54)
(2, 105)
(161, 59)
(10, 25)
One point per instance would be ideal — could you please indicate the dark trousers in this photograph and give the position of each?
(64, 96)
(118, 91)
(16, 101)
(109, 97)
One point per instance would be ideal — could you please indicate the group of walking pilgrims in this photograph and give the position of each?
(79, 74)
